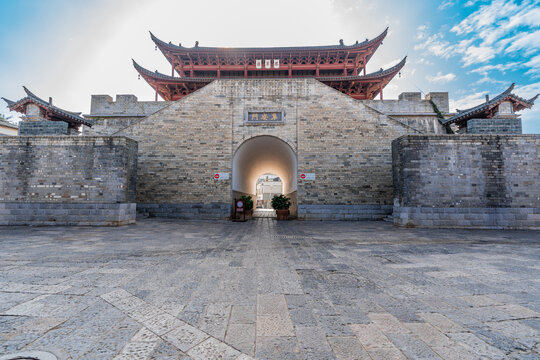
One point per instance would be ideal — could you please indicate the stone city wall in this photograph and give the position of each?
(60, 180)
(111, 116)
(414, 111)
(46, 127)
(347, 145)
(484, 181)
(494, 126)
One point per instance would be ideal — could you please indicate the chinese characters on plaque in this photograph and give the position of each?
(264, 116)
(267, 64)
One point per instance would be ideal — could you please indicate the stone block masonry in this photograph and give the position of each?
(467, 181)
(43, 128)
(61, 180)
(346, 143)
(494, 126)
(110, 116)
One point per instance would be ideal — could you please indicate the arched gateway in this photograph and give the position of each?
(261, 155)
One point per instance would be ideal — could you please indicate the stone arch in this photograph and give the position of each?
(260, 155)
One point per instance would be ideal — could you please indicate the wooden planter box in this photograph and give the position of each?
(283, 214)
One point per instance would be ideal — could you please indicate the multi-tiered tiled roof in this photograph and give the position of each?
(339, 66)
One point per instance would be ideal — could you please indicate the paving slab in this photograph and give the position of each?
(171, 289)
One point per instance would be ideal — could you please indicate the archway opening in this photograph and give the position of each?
(267, 187)
(263, 155)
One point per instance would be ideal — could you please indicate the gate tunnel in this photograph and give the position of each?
(262, 155)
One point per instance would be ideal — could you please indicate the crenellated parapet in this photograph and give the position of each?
(110, 116)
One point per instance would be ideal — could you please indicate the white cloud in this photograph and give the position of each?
(528, 42)
(390, 63)
(488, 80)
(440, 78)
(534, 66)
(500, 26)
(486, 16)
(434, 44)
(445, 4)
(421, 32)
(472, 2)
(528, 91)
(478, 54)
(484, 70)
(467, 101)
(424, 61)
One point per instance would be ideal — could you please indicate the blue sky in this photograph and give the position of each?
(72, 49)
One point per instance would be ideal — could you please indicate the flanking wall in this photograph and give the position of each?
(456, 181)
(67, 180)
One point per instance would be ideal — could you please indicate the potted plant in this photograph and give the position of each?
(281, 204)
(248, 206)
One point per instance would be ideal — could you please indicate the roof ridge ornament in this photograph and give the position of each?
(9, 102)
(29, 93)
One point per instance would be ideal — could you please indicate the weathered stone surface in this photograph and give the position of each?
(43, 128)
(494, 126)
(486, 181)
(346, 142)
(111, 116)
(67, 180)
(99, 293)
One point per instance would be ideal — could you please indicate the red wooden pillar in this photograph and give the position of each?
(381, 91)
(317, 71)
(156, 93)
(245, 71)
(364, 65)
(172, 73)
(290, 71)
(182, 74)
(219, 73)
(191, 72)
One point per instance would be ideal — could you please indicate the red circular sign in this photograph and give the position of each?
(303, 176)
(216, 176)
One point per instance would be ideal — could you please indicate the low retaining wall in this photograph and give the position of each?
(467, 181)
(343, 212)
(67, 180)
(187, 211)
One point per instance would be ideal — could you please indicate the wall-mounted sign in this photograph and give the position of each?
(258, 64)
(221, 176)
(267, 64)
(307, 176)
(263, 116)
(239, 206)
(276, 63)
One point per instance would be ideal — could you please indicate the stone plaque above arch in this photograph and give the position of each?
(270, 116)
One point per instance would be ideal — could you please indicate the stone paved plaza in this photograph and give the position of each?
(271, 290)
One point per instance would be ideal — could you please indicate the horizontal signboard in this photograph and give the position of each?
(264, 116)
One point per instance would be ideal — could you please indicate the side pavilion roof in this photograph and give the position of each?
(485, 109)
(58, 113)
